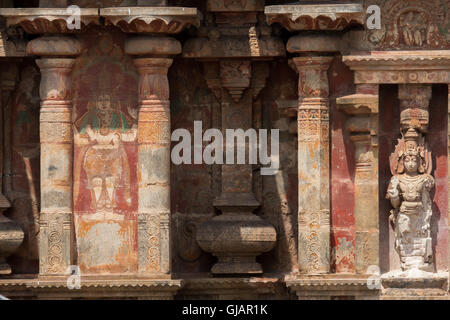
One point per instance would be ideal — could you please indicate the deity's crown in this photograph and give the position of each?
(411, 143)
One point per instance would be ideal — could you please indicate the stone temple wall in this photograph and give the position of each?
(91, 98)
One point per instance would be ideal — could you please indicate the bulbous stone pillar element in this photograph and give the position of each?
(154, 252)
(313, 165)
(56, 136)
(11, 235)
(236, 236)
(409, 188)
(233, 38)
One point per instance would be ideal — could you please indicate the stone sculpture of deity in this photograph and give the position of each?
(409, 193)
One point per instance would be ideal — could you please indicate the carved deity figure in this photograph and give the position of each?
(101, 131)
(409, 193)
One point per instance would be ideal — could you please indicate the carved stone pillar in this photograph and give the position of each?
(11, 235)
(313, 149)
(363, 128)
(56, 138)
(313, 165)
(236, 236)
(231, 40)
(154, 254)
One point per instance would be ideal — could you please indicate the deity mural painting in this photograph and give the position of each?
(101, 132)
(105, 159)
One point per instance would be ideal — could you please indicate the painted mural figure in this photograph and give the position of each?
(409, 193)
(102, 130)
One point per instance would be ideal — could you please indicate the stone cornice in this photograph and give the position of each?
(296, 17)
(48, 20)
(431, 66)
(167, 20)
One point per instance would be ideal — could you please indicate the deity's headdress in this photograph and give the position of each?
(411, 144)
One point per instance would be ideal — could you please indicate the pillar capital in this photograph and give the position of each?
(313, 80)
(54, 46)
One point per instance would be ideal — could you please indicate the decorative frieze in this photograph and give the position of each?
(411, 24)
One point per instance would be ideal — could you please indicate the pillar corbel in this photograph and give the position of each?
(56, 139)
(313, 150)
(152, 62)
(363, 129)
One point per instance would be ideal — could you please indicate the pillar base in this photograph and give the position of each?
(237, 236)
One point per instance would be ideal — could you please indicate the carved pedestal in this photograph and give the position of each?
(153, 152)
(56, 138)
